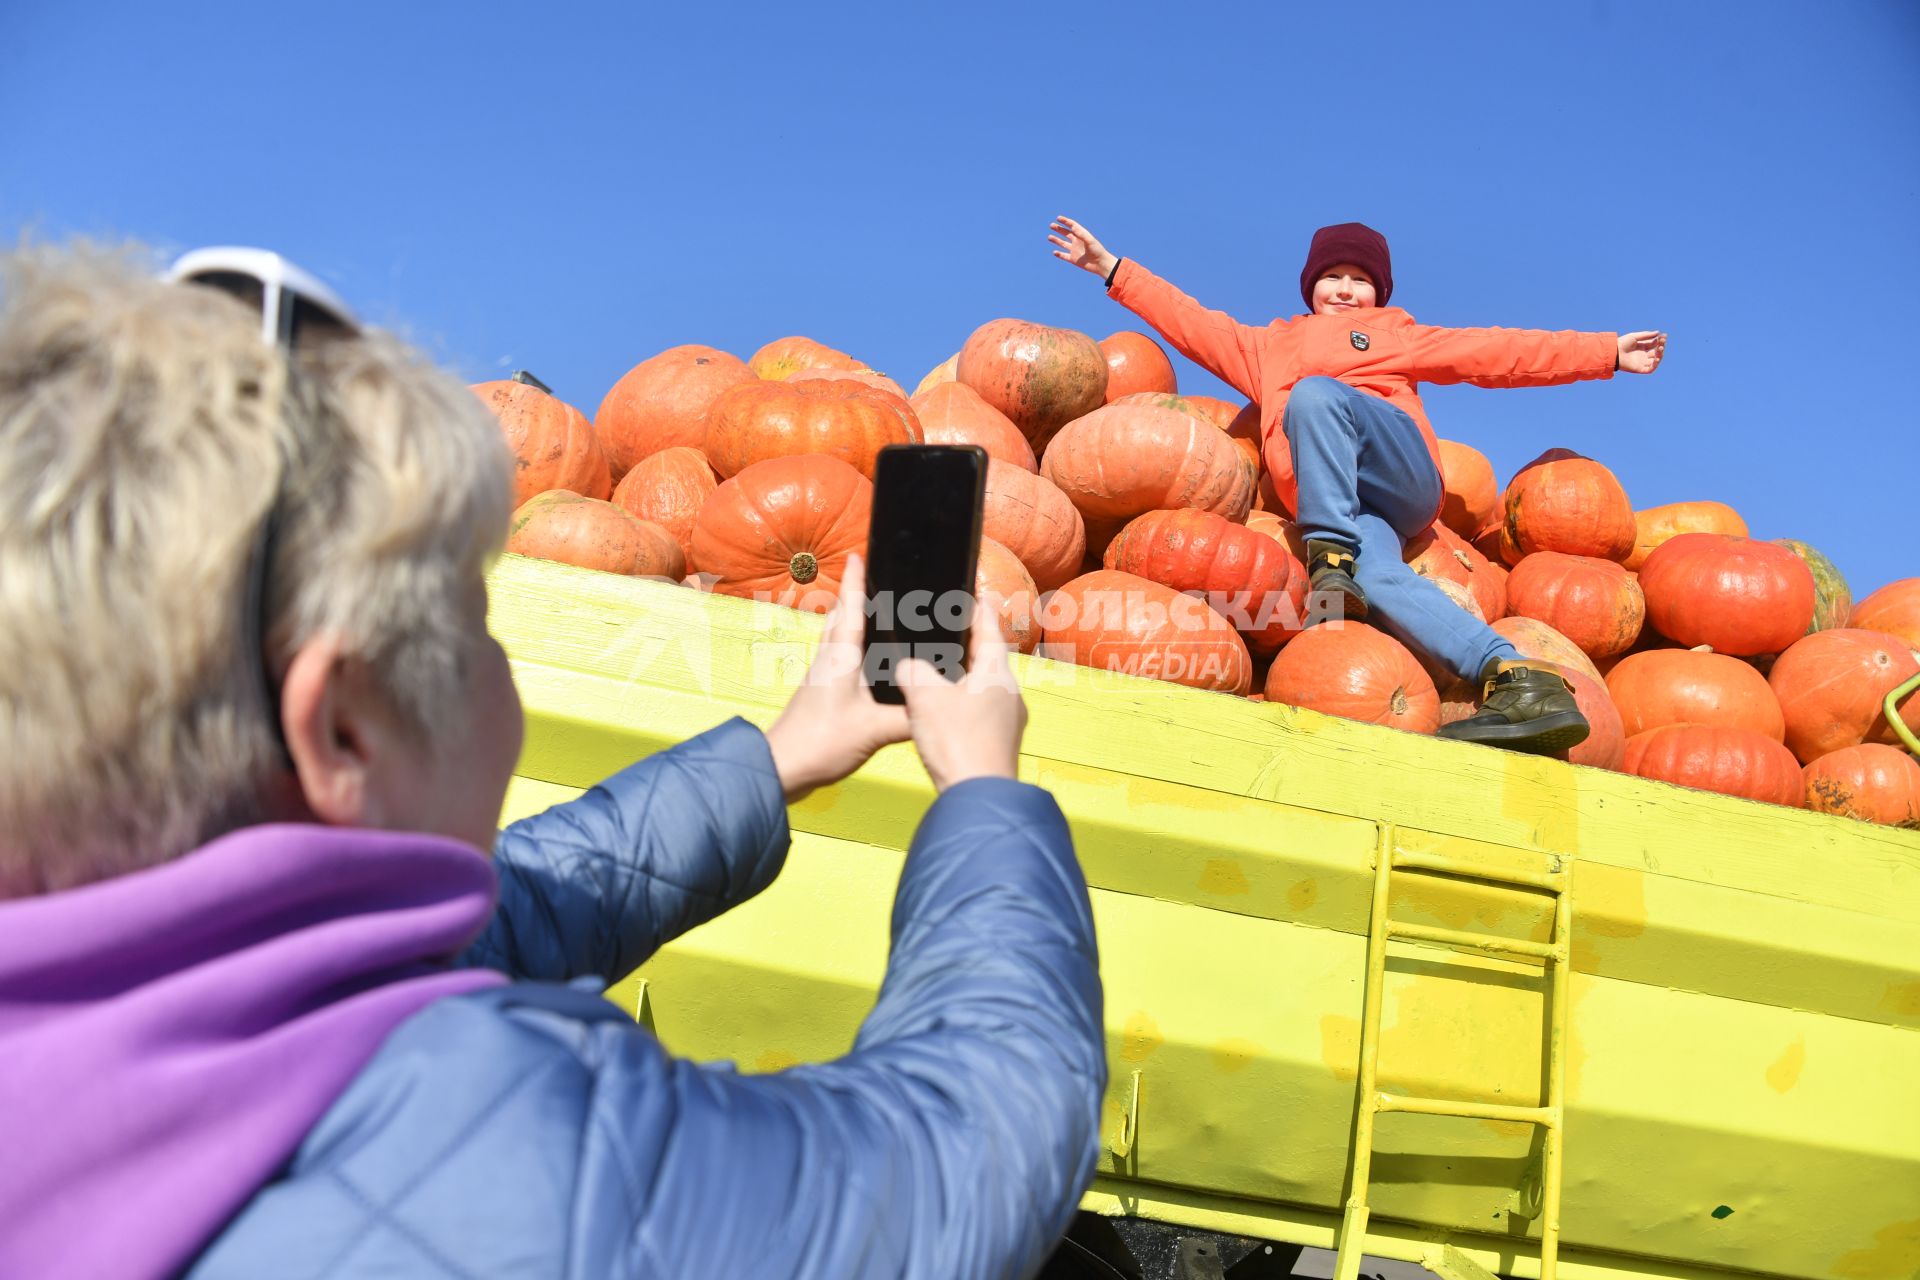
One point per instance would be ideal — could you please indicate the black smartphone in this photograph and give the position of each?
(923, 548)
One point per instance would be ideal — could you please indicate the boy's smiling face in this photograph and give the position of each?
(1343, 287)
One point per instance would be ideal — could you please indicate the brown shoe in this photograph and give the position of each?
(1331, 590)
(1528, 706)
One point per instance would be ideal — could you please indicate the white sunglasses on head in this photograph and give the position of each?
(293, 304)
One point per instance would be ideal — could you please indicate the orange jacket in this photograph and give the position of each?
(1379, 350)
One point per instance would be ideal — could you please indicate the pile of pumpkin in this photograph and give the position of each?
(1132, 528)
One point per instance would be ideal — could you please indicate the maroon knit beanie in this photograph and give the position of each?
(1354, 242)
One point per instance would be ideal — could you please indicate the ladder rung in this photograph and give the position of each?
(1477, 941)
(1470, 1110)
(1552, 881)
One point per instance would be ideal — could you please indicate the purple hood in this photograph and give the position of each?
(167, 1038)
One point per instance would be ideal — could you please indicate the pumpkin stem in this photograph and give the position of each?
(526, 379)
(803, 567)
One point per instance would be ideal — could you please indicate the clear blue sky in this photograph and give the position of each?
(571, 188)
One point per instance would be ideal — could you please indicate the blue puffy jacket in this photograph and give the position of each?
(534, 1130)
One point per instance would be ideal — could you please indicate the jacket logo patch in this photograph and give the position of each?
(1360, 340)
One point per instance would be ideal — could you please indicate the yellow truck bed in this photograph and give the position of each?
(1742, 1061)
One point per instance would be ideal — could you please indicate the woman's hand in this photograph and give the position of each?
(832, 724)
(1078, 246)
(972, 728)
(1641, 352)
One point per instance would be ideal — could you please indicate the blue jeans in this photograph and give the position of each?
(1368, 483)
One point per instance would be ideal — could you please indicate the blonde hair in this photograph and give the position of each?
(146, 432)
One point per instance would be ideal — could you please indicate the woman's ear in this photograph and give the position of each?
(332, 718)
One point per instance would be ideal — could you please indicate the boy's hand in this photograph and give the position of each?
(1078, 246)
(1641, 352)
(972, 728)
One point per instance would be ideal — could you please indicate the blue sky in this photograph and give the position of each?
(571, 188)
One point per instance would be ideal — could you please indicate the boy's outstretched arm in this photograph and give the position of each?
(1528, 357)
(1211, 339)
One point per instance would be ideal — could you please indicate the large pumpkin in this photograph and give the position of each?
(1220, 413)
(669, 488)
(1115, 621)
(782, 530)
(1440, 554)
(865, 377)
(1605, 746)
(1349, 669)
(1040, 377)
(553, 444)
(1737, 595)
(1686, 686)
(942, 372)
(1564, 502)
(1832, 597)
(1656, 525)
(1135, 362)
(846, 420)
(1003, 584)
(1871, 782)
(1472, 497)
(1249, 578)
(1832, 686)
(1540, 641)
(562, 525)
(784, 357)
(1128, 459)
(1592, 602)
(1733, 762)
(1895, 609)
(954, 413)
(662, 403)
(1027, 514)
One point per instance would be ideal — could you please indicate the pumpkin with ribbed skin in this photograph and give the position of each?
(1220, 413)
(1282, 530)
(1002, 583)
(1564, 502)
(1114, 621)
(1871, 782)
(1124, 460)
(954, 413)
(1244, 431)
(846, 420)
(1656, 525)
(1687, 686)
(1540, 641)
(865, 377)
(669, 488)
(1832, 597)
(782, 530)
(1249, 578)
(1832, 685)
(1162, 399)
(1738, 595)
(1026, 513)
(662, 403)
(1592, 602)
(1733, 762)
(784, 357)
(1894, 609)
(562, 525)
(1441, 555)
(1351, 670)
(1472, 496)
(942, 372)
(553, 444)
(1040, 377)
(1135, 362)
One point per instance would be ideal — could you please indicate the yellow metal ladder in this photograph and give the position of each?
(1554, 879)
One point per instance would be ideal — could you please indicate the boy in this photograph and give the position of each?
(1349, 448)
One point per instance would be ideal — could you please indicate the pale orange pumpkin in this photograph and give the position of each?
(553, 444)
(1833, 685)
(1472, 499)
(1002, 584)
(1656, 525)
(942, 372)
(784, 357)
(846, 420)
(669, 488)
(1028, 515)
(1041, 377)
(593, 534)
(662, 403)
(954, 413)
(1124, 460)
(1115, 621)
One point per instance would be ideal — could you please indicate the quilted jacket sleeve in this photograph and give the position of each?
(1211, 339)
(596, 885)
(1508, 357)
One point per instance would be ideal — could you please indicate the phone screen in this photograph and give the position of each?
(922, 551)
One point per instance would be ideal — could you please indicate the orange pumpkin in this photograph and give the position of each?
(846, 420)
(1564, 502)
(1832, 685)
(1605, 746)
(1220, 413)
(1040, 377)
(1114, 621)
(1733, 762)
(1871, 782)
(1002, 583)
(1472, 496)
(1244, 431)
(1281, 530)
(865, 377)
(662, 403)
(669, 488)
(563, 525)
(942, 372)
(784, 357)
(1028, 515)
(1894, 609)
(1687, 686)
(782, 530)
(1349, 669)
(1125, 460)
(954, 413)
(1135, 362)
(1589, 601)
(1737, 595)
(1249, 578)
(1540, 641)
(1656, 525)
(1441, 555)
(553, 444)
